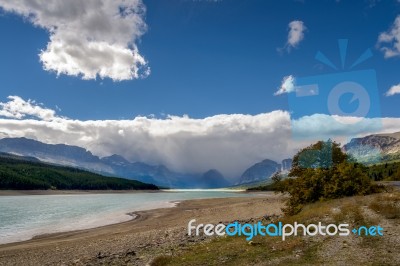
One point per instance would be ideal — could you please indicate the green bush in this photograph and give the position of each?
(389, 171)
(323, 171)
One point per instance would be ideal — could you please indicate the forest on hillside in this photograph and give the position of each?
(21, 174)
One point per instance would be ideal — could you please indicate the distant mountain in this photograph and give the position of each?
(157, 174)
(17, 157)
(18, 172)
(375, 148)
(286, 165)
(260, 171)
(212, 179)
(58, 154)
(115, 159)
(114, 165)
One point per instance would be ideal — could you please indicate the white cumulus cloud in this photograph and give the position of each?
(287, 85)
(229, 143)
(295, 35)
(18, 108)
(393, 90)
(88, 38)
(389, 41)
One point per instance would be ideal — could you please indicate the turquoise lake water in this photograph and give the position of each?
(22, 217)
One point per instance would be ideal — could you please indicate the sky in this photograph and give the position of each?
(197, 84)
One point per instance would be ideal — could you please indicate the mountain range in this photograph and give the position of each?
(264, 170)
(369, 149)
(375, 148)
(27, 173)
(116, 165)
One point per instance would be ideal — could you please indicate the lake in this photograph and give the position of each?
(23, 217)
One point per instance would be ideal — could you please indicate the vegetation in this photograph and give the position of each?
(391, 157)
(389, 171)
(20, 173)
(320, 172)
(387, 205)
(272, 186)
(267, 187)
(385, 172)
(323, 171)
(298, 250)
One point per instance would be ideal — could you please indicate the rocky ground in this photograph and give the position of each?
(153, 233)
(381, 209)
(159, 237)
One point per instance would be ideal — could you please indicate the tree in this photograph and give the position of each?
(323, 171)
(277, 177)
(323, 154)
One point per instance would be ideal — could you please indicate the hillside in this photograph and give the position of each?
(21, 173)
(213, 179)
(260, 171)
(375, 148)
(385, 171)
(114, 165)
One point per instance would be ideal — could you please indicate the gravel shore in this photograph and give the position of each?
(137, 242)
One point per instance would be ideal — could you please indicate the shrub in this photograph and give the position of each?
(323, 171)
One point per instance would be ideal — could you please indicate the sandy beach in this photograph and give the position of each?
(137, 242)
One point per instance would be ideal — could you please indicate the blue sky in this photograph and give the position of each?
(233, 67)
(206, 58)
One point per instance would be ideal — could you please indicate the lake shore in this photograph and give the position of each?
(71, 192)
(137, 242)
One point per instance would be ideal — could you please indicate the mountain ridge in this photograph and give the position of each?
(263, 170)
(113, 165)
(375, 147)
(26, 173)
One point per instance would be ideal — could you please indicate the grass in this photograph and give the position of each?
(236, 250)
(350, 211)
(387, 205)
(294, 250)
(161, 260)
